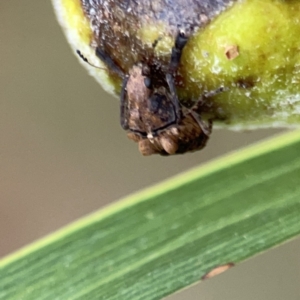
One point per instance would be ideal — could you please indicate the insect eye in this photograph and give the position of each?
(148, 83)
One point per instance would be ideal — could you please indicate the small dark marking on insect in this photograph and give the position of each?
(218, 270)
(151, 111)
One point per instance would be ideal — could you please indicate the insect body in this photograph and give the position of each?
(147, 110)
(150, 110)
(133, 38)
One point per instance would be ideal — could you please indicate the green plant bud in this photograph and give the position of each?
(253, 50)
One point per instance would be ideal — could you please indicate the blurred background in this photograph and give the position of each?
(64, 155)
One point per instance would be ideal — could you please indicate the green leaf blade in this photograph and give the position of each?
(169, 236)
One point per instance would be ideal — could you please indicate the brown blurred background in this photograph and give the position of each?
(63, 153)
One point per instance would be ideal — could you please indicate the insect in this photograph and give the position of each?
(151, 112)
(134, 40)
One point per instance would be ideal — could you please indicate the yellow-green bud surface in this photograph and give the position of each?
(252, 49)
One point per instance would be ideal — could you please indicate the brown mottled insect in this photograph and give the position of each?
(150, 109)
(151, 112)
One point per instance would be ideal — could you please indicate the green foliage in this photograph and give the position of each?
(167, 237)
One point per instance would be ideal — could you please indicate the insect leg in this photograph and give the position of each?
(180, 42)
(109, 62)
(201, 102)
(174, 98)
(196, 110)
(215, 92)
(123, 96)
(206, 127)
(123, 105)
